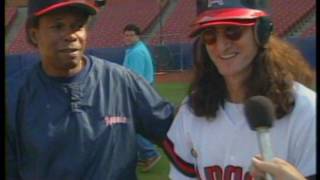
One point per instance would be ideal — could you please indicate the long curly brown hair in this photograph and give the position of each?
(274, 70)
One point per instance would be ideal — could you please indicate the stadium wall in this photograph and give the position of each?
(167, 57)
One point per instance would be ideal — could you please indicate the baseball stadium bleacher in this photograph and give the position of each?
(309, 32)
(20, 45)
(107, 30)
(10, 14)
(105, 37)
(177, 26)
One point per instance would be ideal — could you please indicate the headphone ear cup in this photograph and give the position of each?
(263, 29)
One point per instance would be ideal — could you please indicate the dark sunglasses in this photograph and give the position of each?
(233, 33)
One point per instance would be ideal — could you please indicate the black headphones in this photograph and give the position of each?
(263, 30)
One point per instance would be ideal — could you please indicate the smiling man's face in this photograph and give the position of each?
(61, 38)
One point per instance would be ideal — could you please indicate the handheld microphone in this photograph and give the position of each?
(260, 114)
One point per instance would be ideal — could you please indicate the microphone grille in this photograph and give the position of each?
(259, 111)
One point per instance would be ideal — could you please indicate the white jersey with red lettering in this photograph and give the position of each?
(222, 148)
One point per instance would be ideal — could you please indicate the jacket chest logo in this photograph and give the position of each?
(111, 120)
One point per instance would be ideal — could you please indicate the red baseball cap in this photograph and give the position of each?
(226, 14)
(41, 7)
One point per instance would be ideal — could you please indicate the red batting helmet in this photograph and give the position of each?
(229, 12)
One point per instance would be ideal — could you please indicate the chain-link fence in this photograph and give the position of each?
(168, 51)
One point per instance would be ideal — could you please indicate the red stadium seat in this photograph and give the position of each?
(107, 31)
(287, 13)
(20, 44)
(10, 14)
(311, 31)
(177, 27)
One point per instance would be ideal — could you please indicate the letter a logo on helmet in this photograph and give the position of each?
(212, 2)
(236, 13)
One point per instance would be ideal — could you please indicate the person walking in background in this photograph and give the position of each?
(139, 59)
(239, 57)
(75, 116)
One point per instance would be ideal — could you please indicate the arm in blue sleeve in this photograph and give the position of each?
(153, 114)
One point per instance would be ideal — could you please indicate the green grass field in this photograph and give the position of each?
(173, 92)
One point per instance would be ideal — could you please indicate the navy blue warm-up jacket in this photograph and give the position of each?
(83, 127)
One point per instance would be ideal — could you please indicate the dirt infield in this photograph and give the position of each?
(174, 76)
